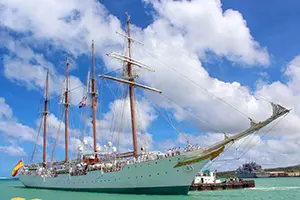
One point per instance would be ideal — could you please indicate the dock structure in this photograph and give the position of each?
(223, 186)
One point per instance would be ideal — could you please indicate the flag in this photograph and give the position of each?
(83, 102)
(18, 166)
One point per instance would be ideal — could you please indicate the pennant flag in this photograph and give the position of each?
(18, 166)
(83, 102)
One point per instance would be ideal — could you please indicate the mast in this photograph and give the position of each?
(67, 111)
(129, 79)
(45, 113)
(93, 93)
(131, 91)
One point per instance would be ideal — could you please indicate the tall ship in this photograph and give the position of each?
(251, 170)
(140, 171)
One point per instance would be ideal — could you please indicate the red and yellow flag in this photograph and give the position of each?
(18, 166)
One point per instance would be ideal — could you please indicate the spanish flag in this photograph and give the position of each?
(18, 166)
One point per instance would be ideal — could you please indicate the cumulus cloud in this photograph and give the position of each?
(11, 129)
(182, 34)
(5, 109)
(13, 150)
(207, 27)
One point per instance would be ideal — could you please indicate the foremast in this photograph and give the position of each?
(94, 101)
(45, 113)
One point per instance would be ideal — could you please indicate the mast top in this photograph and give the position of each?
(128, 17)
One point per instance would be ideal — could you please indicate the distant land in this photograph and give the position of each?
(294, 168)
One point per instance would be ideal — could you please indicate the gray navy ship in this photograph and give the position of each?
(251, 170)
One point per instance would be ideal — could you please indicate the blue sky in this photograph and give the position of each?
(253, 52)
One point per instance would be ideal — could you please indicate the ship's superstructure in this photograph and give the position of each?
(251, 170)
(135, 171)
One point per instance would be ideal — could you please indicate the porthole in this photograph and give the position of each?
(155, 162)
(166, 172)
(157, 173)
(149, 175)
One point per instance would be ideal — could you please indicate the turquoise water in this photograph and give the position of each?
(266, 189)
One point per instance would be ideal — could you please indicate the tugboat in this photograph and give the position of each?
(206, 177)
(251, 170)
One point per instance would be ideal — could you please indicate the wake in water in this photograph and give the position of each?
(275, 188)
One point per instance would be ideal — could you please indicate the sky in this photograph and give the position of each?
(245, 53)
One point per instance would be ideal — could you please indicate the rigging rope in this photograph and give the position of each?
(167, 118)
(247, 150)
(199, 118)
(37, 138)
(99, 103)
(57, 137)
(70, 90)
(203, 88)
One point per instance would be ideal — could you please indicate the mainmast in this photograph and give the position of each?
(129, 78)
(94, 96)
(45, 113)
(67, 111)
(131, 91)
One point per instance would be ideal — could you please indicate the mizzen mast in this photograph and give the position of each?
(67, 111)
(94, 96)
(45, 113)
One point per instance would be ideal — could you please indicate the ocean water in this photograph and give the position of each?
(266, 189)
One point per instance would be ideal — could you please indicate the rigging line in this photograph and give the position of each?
(85, 121)
(228, 160)
(209, 124)
(115, 70)
(120, 125)
(37, 138)
(57, 136)
(247, 150)
(275, 124)
(171, 123)
(213, 161)
(99, 103)
(248, 142)
(110, 88)
(166, 118)
(70, 90)
(138, 120)
(112, 128)
(228, 104)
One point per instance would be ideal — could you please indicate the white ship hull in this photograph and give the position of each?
(151, 177)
